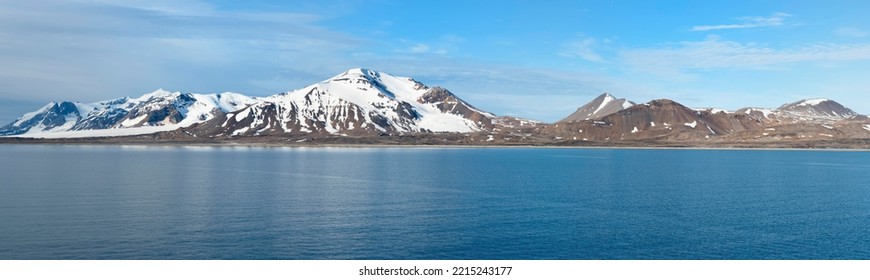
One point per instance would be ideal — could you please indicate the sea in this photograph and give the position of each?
(408, 203)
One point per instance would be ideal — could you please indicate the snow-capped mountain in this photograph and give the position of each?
(358, 101)
(153, 112)
(599, 107)
(817, 108)
(52, 117)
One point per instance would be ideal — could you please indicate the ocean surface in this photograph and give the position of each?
(174, 202)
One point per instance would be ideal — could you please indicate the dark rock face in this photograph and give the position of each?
(407, 111)
(101, 120)
(156, 111)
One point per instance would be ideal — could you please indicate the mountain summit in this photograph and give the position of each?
(599, 107)
(817, 108)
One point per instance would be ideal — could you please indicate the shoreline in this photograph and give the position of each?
(230, 144)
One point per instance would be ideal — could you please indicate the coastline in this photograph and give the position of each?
(113, 141)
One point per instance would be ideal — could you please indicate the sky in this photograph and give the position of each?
(532, 59)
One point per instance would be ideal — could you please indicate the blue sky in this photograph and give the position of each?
(522, 58)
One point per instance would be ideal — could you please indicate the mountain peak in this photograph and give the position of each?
(359, 73)
(808, 102)
(817, 107)
(603, 105)
(813, 102)
(160, 92)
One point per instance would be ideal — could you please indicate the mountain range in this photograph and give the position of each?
(363, 103)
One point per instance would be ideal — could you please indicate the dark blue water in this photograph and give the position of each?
(117, 202)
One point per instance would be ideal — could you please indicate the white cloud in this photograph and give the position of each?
(420, 48)
(583, 49)
(88, 52)
(776, 19)
(92, 50)
(442, 46)
(176, 7)
(850, 32)
(713, 53)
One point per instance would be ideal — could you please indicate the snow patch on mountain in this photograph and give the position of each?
(819, 108)
(607, 100)
(100, 132)
(812, 102)
(713, 110)
(691, 124)
(764, 112)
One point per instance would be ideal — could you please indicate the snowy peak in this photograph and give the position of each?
(359, 101)
(367, 79)
(817, 108)
(813, 102)
(52, 117)
(599, 107)
(157, 94)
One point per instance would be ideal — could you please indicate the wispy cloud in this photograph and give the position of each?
(850, 32)
(776, 19)
(422, 49)
(419, 48)
(103, 49)
(585, 49)
(713, 54)
(443, 45)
